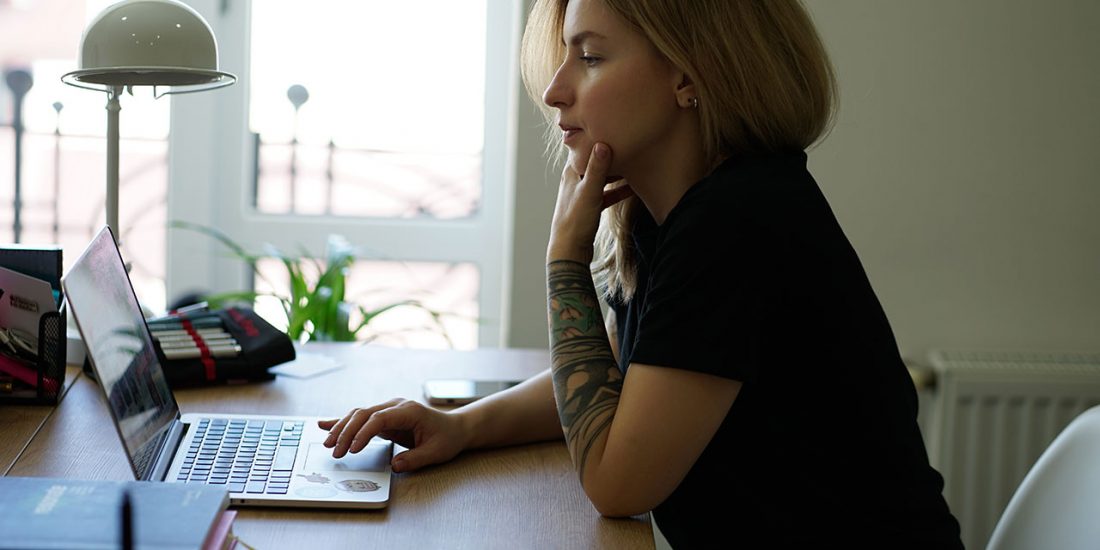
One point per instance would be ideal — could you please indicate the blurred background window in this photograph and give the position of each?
(57, 196)
(385, 123)
(387, 136)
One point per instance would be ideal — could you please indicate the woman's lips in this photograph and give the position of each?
(569, 134)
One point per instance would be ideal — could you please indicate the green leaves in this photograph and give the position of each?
(317, 311)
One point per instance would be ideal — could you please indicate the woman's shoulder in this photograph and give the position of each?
(753, 172)
(748, 186)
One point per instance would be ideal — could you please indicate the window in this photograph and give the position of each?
(63, 151)
(382, 122)
(390, 125)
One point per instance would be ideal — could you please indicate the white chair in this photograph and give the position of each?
(1057, 505)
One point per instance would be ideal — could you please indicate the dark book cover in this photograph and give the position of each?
(40, 262)
(50, 513)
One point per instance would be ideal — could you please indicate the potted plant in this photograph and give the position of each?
(316, 310)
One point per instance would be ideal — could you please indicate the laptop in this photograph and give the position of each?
(261, 460)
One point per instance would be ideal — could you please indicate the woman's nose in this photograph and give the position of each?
(557, 94)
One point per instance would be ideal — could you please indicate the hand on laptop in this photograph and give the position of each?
(431, 436)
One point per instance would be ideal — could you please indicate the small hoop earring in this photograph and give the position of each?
(694, 103)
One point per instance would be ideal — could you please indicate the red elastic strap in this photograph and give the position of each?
(205, 358)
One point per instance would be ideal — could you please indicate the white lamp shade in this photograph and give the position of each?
(160, 43)
(149, 43)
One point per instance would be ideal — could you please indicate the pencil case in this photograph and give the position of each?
(224, 346)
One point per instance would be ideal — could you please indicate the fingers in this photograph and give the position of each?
(386, 420)
(429, 435)
(339, 438)
(595, 179)
(594, 169)
(577, 210)
(412, 459)
(354, 430)
(595, 174)
(440, 441)
(343, 431)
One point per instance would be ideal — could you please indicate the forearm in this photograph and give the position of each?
(587, 381)
(522, 414)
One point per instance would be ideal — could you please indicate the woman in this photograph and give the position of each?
(746, 358)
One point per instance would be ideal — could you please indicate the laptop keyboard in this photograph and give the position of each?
(246, 456)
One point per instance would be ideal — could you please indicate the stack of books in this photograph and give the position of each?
(50, 513)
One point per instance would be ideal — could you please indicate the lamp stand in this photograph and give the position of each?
(113, 108)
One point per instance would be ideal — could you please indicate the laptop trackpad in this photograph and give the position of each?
(375, 457)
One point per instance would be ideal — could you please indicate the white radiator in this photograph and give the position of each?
(991, 415)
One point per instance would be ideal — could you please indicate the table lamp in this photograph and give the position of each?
(161, 43)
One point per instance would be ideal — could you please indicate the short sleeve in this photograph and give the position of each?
(704, 309)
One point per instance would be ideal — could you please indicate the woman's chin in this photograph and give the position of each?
(578, 162)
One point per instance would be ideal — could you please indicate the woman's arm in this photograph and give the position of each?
(521, 414)
(633, 441)
(652, 427)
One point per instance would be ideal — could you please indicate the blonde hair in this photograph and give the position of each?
(761, 74)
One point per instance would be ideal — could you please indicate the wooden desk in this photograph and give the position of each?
(519, 497)
(20, 423)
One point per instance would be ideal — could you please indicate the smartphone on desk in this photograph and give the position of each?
(461, 392)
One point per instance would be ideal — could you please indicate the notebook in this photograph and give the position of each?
(261, 460)
(43, 513)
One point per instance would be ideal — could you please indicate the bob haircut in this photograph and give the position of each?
(761, 74)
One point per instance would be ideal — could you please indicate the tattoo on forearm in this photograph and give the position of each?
(587, 382)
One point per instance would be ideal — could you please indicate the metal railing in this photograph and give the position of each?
(289, 177)
(58, 191)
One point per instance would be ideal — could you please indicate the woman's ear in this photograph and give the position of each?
(686, 96)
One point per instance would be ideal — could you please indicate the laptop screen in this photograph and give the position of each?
(102, 301)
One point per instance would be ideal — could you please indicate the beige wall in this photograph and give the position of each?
(963, 167)
(536, 190)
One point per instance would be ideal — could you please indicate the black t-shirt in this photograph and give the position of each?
(751, 278)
